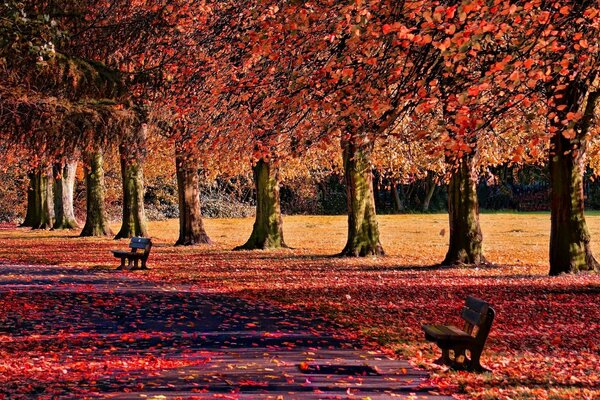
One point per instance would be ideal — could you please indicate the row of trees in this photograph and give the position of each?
(470, 83)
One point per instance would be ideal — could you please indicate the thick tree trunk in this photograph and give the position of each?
(363, 230)
(267, 232)
(33, 207)
(40, 204)
(46, 182)
(463, 208)
(191, 227)
(134, 216)
(570, 250)
(64, 186)
(96, 223)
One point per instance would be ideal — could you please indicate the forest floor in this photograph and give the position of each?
(545, 342)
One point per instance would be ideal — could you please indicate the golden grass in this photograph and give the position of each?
(509, 239)
(512, 239)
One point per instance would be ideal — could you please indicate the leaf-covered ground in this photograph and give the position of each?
(545, 342)
(79, 333)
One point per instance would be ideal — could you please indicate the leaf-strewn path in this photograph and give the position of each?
(80, 333)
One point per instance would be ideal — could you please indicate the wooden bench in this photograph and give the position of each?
(139, 251)
(455, 343)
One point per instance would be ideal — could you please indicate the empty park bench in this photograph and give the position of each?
(139, 251)
(455, 342)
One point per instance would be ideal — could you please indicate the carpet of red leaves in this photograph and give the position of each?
(545, 342)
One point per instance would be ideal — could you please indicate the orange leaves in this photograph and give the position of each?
(543, 17)
(569, 133)
(574, 116)
(347, 72)
(475, 90)
(444, 45)
(529, 63)
(515, 76)
(304, 366)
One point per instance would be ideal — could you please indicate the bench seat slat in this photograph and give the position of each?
(122, 253)
(130, 254)
(447, 332)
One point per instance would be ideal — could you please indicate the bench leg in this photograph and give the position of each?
(459, 360)
(474, 364)
(445, 358)
(456, 358)
(122, 266)
(135, 264)
(144, 264)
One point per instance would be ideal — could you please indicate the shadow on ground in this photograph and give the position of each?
(79, 333)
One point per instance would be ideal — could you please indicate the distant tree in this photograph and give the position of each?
(64, 187)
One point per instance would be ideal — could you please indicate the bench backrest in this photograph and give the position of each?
(140, 243)
(478, 317)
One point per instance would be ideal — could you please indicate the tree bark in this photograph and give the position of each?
(463, 209)
(570, 250)
(267, 232)
(47, 201)
(429, 193)
(396, 196)
(33, 207)
(96, 223)
(40, 204)
(191, 226)
(64, 186)
(363, 230)
(134, 216)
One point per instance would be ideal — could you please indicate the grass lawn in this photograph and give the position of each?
(545, 342)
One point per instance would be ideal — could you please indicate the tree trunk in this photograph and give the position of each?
(191, 227)
(47, 199)
(64, 186)
(134, 216)
(429, 193)
(33, 207)
(463, 210)
(363, 230)
(96, 223)
(267, 232)
(40, 204)
(570, 250)
(396, 197)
